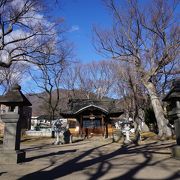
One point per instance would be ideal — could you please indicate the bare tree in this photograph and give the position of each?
(95, 78)
(11, 76)
(131, 94)
(102, 77)
(163, 79)
(85, 82)
(24, 32)
(70, 79)
(48, 77)
(146, 36)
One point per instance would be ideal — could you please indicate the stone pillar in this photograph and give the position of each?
(177, 130)
(11, 140)
(176, 149)
(11, 153)
(14, 100)
(127, 136)
(173, 111)
(127, 131)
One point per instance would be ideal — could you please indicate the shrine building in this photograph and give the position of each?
(94, 117)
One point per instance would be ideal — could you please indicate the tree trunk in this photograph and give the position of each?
(136, 126)
(162, 122)
(137, 137)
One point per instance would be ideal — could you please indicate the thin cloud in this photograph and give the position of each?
(74, 28)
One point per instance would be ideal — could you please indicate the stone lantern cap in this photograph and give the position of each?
(15, 97)
(174, 93)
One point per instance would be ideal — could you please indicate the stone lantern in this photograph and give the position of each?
(14, 100)
(173, 111)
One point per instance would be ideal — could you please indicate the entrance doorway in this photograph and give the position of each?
(92, 126)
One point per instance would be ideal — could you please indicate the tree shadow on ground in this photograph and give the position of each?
(49, 146)
(26, 140)
(50, 154)
(2, 173)
(78, 163)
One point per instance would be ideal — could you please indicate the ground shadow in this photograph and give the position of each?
(25, 140)
(77, 140)
(2, 173)
(49, 146)
(50, 154)
(103, 162)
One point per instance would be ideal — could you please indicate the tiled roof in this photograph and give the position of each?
(15, 96)
(77, 105)
(174, 93)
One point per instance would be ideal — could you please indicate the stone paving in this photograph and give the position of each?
(94, 159)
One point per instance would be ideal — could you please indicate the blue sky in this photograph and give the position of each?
(79, 16)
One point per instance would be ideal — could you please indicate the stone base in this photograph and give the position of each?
(12, 157)
(176, 152)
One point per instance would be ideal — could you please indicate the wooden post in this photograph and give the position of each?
(81, 126)
(102, 125)
(106, 128)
